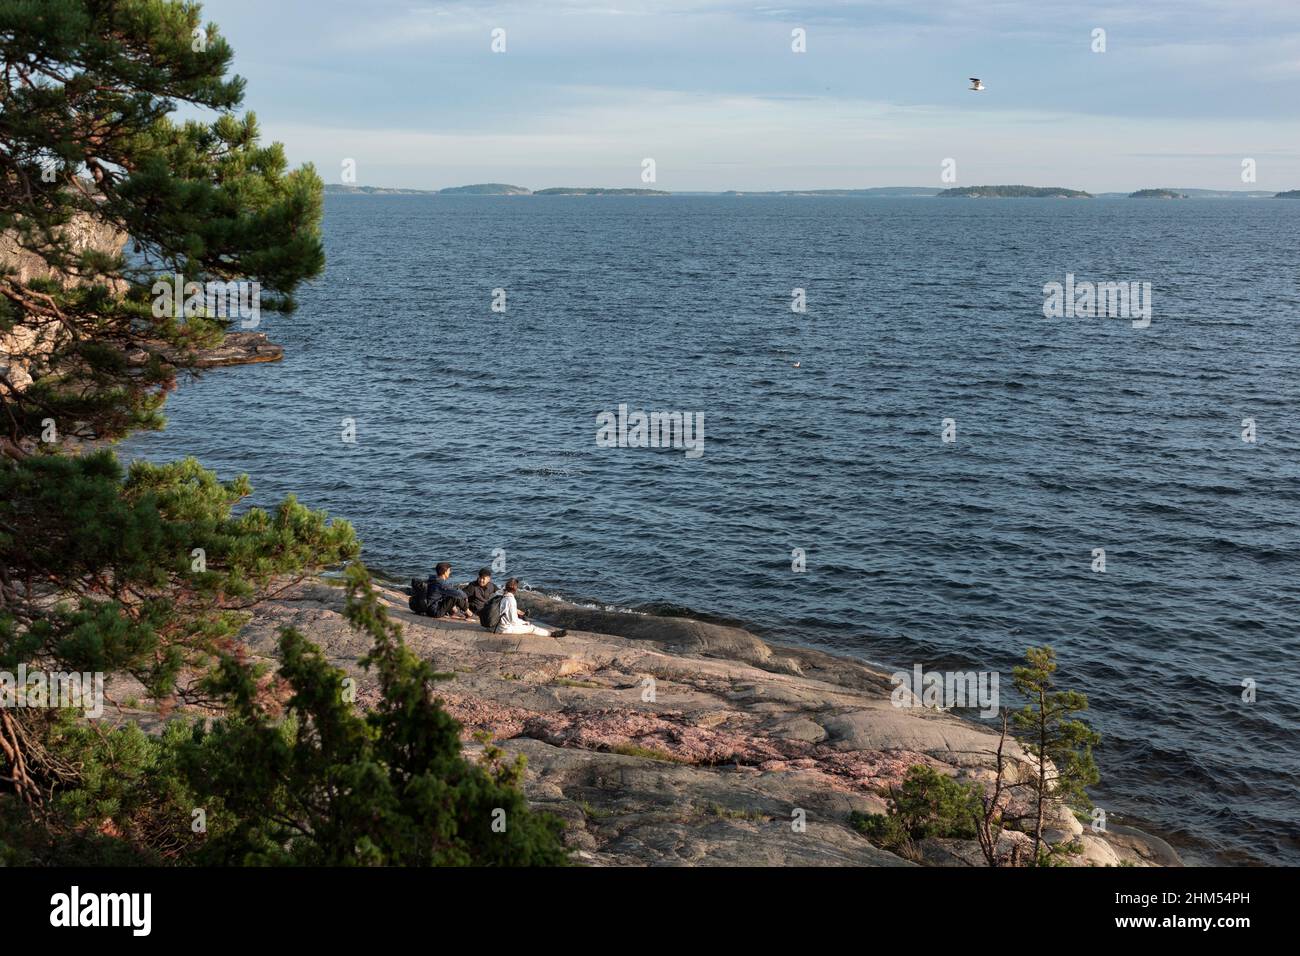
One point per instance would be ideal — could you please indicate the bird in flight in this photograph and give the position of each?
(976, 85)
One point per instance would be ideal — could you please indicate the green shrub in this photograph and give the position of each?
(926, 804)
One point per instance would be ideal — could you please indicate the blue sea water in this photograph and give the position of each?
(476, 431)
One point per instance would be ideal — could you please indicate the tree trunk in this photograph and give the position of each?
(1042, 774)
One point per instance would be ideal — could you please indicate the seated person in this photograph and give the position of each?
(479, 591)
(512, 619)
(445, 600)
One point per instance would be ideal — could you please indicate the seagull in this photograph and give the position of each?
(796, 364)
(975, 85)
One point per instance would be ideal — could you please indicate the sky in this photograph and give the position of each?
(712, 91)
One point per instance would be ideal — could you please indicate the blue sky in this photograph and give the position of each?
(713, 93)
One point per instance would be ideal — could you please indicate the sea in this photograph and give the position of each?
(895, 454)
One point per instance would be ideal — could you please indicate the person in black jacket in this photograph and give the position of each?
(478, 592)
(445, 600)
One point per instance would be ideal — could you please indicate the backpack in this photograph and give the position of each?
(490, 616)
(419, 600)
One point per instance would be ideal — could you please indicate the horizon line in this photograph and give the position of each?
(815, 189)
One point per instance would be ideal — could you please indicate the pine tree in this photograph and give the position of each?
(144, 574)
(150, 572)
(100, 571)
(88, 150)
(1060, 743)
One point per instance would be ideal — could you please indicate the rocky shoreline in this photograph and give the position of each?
(21, 347)
(671, 741)
(238, 348)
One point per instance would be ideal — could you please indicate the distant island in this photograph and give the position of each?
(598, 191)
(1014, 192)
(494, 189)
(878, 191)
(1157, 194)
(486, 189)
(1192, 194)
(374, 190)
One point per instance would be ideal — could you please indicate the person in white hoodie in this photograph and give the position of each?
(512, 619)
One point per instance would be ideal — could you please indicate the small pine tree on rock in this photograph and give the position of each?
(1060, 743)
